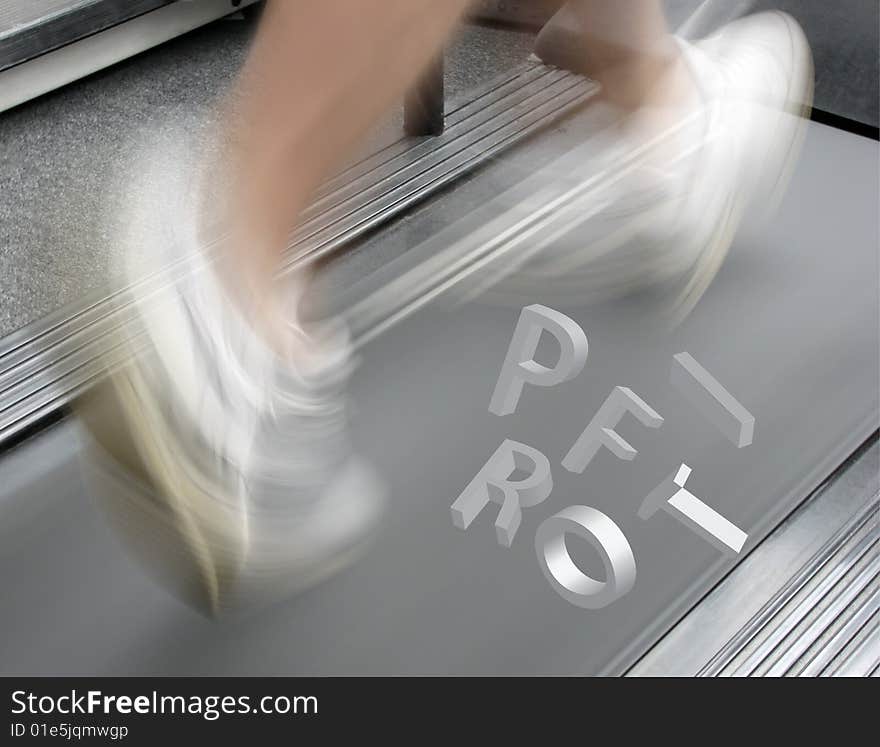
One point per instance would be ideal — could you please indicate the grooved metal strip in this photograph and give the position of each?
(862, 657)
(811, 620)
(449, 159)
(837, 645)
(47, 363)
(507, 84)
(400, 163)
(841, 606)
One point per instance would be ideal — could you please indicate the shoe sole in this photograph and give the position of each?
(149, 493)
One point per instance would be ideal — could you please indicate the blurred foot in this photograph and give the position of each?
(718, 134)
(222, 456)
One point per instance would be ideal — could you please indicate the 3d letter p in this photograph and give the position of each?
(519, 365)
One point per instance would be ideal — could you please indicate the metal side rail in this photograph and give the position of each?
(785, 611)
(44, 365)
(46, 45)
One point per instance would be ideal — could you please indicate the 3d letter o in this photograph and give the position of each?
(560, 570)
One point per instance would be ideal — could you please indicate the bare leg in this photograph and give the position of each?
(319, 74)
(629, 50)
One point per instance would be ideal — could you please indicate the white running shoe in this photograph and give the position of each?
(670, 222)
(227, 469)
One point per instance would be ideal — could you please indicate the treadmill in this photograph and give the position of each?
(788, 329)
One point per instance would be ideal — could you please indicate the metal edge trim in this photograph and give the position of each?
(706, 638)
(841, 640)
(842, 602)
(78, 59)
(773, 642)
(43, 35)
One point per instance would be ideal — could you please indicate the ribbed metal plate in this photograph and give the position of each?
(817, 621)
(46, 364)
(805, 601)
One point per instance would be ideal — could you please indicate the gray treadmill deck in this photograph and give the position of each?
(789, 326)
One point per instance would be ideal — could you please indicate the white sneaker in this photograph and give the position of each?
(227, 470)
(670, 222)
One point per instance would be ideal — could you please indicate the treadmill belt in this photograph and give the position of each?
(789, 328)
